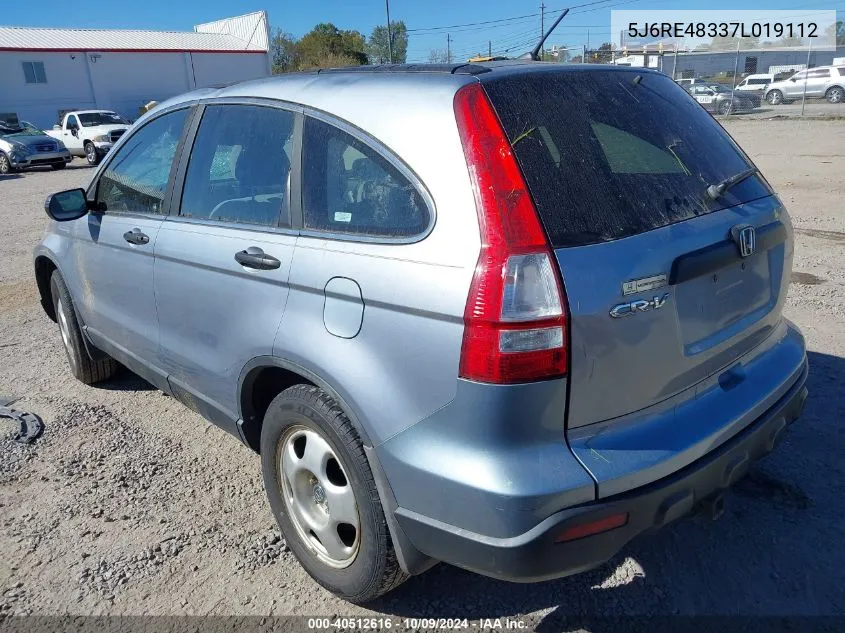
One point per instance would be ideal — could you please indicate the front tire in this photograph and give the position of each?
(725, 108)
(5, 165)
(323, 494)
(84, 368)
(775, 97)
(835, 95)
(91, 154)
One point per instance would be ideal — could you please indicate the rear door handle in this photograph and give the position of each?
(254, 257)
(135, 236)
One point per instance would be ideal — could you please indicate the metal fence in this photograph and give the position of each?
(818, 88)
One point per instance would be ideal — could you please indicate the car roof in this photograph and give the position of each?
(367, 96)
(298, 86)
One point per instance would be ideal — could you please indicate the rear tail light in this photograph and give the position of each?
(515, 317)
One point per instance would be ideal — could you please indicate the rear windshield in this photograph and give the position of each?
(607, 155)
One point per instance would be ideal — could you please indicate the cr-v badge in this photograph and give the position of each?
(641, 305)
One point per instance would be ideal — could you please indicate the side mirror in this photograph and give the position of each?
(66, 205)
(793, 79)
(74, 131)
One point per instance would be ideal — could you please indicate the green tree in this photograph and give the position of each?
(438, 56)
(836, 32)
(788, 41)
(325, 45)
(284, 52)
(729, 43)
(378, 48)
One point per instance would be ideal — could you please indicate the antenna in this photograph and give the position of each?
(535, 54)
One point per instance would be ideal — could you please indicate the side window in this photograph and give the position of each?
(348, 187)
(820, 72)
(239, 170)
(136, 177)
(72, 123)
(33, 72)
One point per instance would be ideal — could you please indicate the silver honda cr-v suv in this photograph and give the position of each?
(506, 316)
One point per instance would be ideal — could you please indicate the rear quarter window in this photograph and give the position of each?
(606, 157)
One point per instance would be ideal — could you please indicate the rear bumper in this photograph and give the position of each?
(535, 555)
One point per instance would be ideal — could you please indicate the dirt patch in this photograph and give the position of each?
(18, 294)
(761, 485)
(806, 279)
(834, 236)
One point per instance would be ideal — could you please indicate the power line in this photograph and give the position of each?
(515, 41)
(518, 17)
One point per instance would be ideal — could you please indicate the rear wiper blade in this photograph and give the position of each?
(716, 191)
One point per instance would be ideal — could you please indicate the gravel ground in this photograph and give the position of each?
(131, 504)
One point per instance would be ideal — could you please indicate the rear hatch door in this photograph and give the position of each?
(660, 295)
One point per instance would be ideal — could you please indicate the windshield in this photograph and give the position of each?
(24, 129)
(606, 155)
(90, 119)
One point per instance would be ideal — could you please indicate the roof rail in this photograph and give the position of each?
(452, 69)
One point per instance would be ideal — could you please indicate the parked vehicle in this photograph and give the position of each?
(720, 99)
(687, 83)
(511, 336)
(90, 133)
(23, 146)
(755, 83)
(824, 81)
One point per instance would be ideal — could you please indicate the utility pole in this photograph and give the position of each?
(489, 48)
(389, 34)
(806, 74)
(675, 62)
(448, 48)
(542, 26)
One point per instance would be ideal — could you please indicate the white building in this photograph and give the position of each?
(45, 72)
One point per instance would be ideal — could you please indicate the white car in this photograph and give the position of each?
(90, 133)
(821, 82)
(755, 83)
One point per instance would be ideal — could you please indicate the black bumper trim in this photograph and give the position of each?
(534, 555)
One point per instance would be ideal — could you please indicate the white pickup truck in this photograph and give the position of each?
(90, 133)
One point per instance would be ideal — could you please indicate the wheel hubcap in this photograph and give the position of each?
(318, 496)
(64, 328)
(92, 154)
(4, 165)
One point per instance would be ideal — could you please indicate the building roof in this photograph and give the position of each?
(18, 38)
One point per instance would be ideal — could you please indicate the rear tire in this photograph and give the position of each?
(83, 367)
(305, 416)
(835, 95)
(775, 97)
(91, 154)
